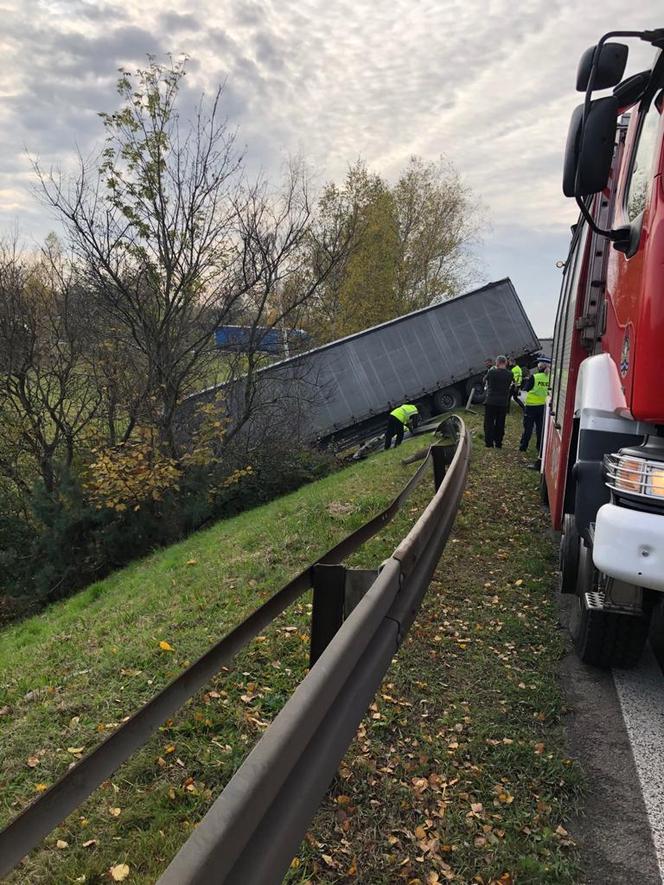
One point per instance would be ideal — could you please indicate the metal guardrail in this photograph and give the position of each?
(274, 794)
(254, 828)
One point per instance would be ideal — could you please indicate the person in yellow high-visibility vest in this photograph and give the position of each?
(517, 379)
(403, 416)
(517, 373)
(537, 388)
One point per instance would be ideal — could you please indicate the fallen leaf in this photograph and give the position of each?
(420, 832)
(115, 812)
(32, 761)
(192, 562)
(75, 751)
(61, 844)
(165, 646)
(89, 843)
(40, 788)
(119, 872)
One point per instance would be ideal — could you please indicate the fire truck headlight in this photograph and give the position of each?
(634, 476)
(656, 482)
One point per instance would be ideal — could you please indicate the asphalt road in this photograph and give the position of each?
(615, 729)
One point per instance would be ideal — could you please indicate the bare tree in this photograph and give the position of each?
(48, 397)
(172, 240)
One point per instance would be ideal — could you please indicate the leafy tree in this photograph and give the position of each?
(410, 245)
(437, 223)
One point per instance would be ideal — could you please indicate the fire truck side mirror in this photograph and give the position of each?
(610, 66)
(588, 153)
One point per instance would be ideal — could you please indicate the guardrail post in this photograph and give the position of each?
(358, 581)
(329, 583)
(442, 458)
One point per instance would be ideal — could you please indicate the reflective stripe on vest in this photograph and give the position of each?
(537, 396)
(404, 413)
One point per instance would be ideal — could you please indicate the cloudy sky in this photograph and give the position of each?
(489, 84)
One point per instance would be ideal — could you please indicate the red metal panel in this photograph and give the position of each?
(648, 362)
(635, 297)
(557, 448)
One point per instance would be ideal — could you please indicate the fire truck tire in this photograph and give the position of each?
(569, 555)
(447, 399)
(604, 639)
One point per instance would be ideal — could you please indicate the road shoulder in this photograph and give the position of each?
(613, 830)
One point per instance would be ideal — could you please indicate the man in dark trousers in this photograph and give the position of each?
(405, 416)
(536, 388)
(498, 381)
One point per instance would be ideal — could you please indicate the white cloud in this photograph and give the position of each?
(488, 84)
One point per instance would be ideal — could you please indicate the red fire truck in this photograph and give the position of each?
(603, 451)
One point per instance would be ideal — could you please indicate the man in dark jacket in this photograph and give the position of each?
(498, 381)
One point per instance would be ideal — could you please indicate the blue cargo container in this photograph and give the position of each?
(261, 338)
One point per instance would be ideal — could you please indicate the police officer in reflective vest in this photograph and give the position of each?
(404, 416)
(536, 388)
(517, 377)
(517, 374)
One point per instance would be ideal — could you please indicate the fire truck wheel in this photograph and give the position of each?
(569, 555)
(604, 639)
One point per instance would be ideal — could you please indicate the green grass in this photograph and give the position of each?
(71, 674)
(451, 728)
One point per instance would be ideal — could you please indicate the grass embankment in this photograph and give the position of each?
(459, 771)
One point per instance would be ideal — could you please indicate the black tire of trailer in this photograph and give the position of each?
(447, 399)
(479, 393)
(604, 639)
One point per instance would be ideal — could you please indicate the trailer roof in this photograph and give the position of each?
(506, 281)
(406, 316)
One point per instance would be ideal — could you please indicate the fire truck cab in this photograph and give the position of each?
(603, 452)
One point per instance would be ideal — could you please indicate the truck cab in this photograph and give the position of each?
(603, 459)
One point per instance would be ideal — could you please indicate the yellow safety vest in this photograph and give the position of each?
(404, 413)
(537, 396)
(517, 374)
